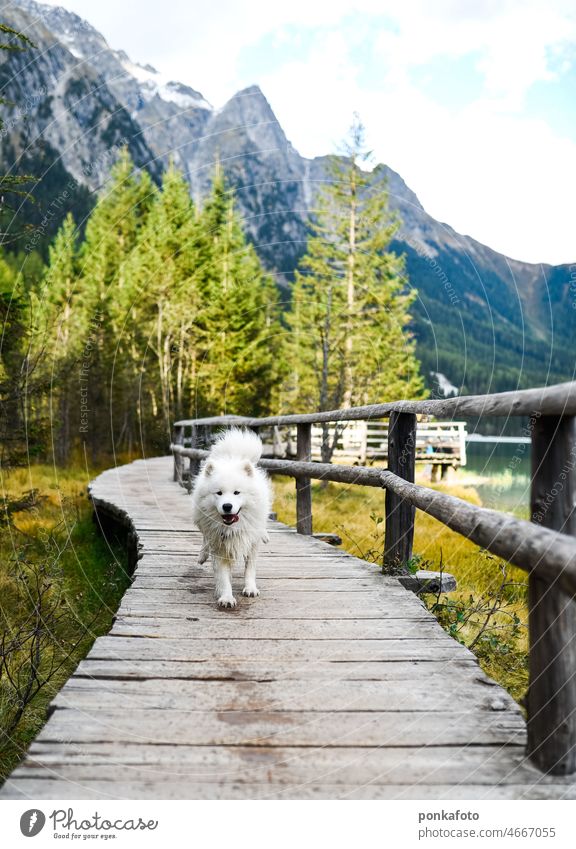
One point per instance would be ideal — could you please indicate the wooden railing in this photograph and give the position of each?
(440, 444)
(544, 547)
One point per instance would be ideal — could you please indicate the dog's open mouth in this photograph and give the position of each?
(230, 518)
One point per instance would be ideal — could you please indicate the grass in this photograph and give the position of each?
(60, 586)
(488, 588)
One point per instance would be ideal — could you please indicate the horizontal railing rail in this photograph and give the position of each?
(545, 547)
(558, 400)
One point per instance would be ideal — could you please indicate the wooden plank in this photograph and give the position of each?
(229, 628)
(284, 728)
(409, 766)
(279, 650)
(95, 784)
(280, 573)
(368, 601)
(275, 586)
(262, 670)
(372, 611)
(337, 696)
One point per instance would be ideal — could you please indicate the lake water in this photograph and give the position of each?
(503, 474)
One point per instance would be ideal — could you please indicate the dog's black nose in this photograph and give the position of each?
(227, 508)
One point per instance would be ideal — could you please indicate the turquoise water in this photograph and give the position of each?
(503, 475)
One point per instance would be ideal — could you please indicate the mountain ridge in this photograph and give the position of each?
(483, 319)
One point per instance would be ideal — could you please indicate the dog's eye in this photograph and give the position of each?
(236, 492)
(218, 493)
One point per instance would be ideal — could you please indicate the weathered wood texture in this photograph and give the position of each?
(303, 485)
(559, 400)
(550, 554)
(552, 612)
(335, 683)
(178, 458)
(400, 511)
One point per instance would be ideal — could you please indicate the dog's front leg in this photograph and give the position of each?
(223, 579)
(250, 588)
(204, 553)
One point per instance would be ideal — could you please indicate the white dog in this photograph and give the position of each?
(231, 503)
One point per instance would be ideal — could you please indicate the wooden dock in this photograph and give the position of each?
(335, 683)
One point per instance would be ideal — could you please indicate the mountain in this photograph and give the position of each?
(483, 322)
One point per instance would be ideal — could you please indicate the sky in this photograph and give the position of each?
(471, 102)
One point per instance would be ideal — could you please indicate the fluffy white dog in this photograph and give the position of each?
(231, 503)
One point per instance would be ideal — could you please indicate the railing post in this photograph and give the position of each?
(399, 534)
(194, 465)
(303, 487)
(551, 700)
(178, 458)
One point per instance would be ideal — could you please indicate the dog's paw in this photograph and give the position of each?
(226, 601)
(265, 538)
(251, 592)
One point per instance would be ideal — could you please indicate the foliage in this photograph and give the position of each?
(19, 41)
(161, 310)
(60, 584)
(487, 623)
(239, 331)
(350, 342)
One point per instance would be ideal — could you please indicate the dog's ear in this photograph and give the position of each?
(249, 468)
(208, 468)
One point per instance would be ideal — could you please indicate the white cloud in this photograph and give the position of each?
(484, 173)
(489, 168)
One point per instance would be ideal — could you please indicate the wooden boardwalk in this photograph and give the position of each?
(335, 683)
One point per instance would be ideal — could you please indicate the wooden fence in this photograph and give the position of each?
(544, 547)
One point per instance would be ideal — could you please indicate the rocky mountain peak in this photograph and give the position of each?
(251, 115)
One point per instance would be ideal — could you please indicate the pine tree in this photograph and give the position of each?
(350, 343)
(239, 327)
(161, 312)
(162, 300)
(105, 377)
(57, 332)
(13, 321)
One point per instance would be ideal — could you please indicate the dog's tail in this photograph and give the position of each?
(238, 443)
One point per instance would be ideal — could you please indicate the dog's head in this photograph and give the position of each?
(227, 486)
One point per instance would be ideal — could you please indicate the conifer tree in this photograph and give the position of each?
(239, 328)
(162, 301)
(161, 312)
(350, 343)
(57, 332)
(13, 320)
(111, 233)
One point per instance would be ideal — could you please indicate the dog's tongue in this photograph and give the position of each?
(229, 520)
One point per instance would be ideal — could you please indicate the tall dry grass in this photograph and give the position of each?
(60, 586)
